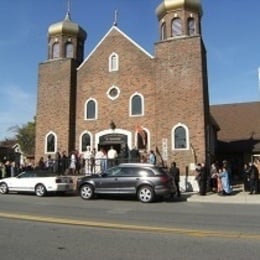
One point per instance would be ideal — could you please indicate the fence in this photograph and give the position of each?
(83, 167)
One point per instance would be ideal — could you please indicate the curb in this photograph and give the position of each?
(239, 198)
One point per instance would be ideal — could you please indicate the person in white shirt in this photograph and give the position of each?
(88, 156)
(99, 156)
(112, 155)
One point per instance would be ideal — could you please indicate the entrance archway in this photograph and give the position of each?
(120, 139)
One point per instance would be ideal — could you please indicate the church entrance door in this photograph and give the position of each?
(118, 141)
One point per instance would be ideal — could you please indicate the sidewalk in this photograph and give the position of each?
(238, 196)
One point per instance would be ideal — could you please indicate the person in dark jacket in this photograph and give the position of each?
(253, 178)
(245, 176)
(201, 178)
(175, 173)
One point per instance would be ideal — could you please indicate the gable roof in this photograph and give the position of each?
(240, 121)
(114, 27)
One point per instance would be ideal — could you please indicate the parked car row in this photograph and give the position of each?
(144, 181)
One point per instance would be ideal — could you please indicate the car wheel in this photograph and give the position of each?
(3, 188)
(86, 192)
(40, 190)
(146, 194)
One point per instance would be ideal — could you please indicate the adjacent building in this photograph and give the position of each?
(239, 135)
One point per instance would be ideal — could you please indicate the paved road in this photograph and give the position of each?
(172, 214)
(71, 228)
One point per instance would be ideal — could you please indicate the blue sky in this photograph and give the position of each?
(230, 30)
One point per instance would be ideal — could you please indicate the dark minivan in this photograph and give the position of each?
(145, 181)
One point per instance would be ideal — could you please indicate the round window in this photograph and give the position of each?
(113, 92)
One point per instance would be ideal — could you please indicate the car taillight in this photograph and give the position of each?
(164, 179)
(58, 180)
(64, 180)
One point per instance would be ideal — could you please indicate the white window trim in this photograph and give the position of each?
(110, 68)
(116, 131)
(187, 137)
(118, 91)
(130, 105)
(85, 109)
(55, 143)
(91, 139)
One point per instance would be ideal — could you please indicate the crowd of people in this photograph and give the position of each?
(216, 179)
(220, 176)
(93, 161)
(250, 176)
(11, 168)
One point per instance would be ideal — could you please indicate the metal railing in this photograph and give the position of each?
(82, 167)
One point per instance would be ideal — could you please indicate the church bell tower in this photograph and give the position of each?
(181, 81)
(57, 86)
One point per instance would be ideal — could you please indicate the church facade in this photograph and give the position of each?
(121, 95)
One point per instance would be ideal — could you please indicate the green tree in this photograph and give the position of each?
(25, 136)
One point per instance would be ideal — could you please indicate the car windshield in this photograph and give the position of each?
(34, 174)
(24, 175)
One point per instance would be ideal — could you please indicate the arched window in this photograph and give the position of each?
(163, 31)
(176, 27)
(85, 141)
(113, 62)
(91, 109)
(180, 137)
(55, 50)
(69, 50)
(136, 105)
(51, 143)
(191, 27)
(141, 138)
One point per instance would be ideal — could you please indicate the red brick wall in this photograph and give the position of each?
(55, 103)
(180, 94)
(135, 74)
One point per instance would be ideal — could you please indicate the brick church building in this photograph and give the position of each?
(121, 95)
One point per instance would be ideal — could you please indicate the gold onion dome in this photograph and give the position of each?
(171, 5)
(67, 27)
